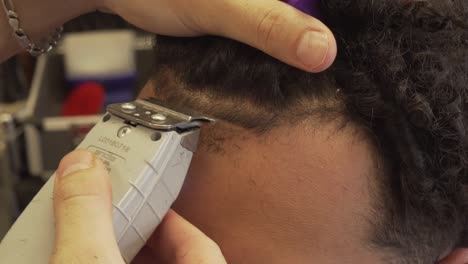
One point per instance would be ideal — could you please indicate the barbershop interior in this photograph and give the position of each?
(269, 131)
(49, 103)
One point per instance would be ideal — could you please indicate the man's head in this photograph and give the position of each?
(364, 163)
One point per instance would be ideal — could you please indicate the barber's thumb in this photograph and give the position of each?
(178, 241)
(83, 212)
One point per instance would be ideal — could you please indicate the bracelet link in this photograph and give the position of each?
(12, 15)
(13, 21)
(23, 39)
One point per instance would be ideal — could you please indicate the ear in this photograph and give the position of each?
(459, 256)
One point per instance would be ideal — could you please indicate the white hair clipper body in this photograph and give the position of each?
(147, 148)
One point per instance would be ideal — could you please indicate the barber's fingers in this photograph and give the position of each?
(83, 218)
(276, 28)
(459, 256)
(270, 25)
(176, 241)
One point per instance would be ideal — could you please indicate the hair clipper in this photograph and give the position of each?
(147, 147)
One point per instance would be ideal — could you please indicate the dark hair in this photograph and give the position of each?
(401, 74)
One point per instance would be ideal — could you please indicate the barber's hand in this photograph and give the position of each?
(270, 25)
(176, 241)
(84, 229)
(83, 212)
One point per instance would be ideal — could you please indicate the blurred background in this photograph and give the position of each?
(48, 104)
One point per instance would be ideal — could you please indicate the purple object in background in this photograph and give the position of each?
(311, 7)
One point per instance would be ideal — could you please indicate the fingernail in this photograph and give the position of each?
(313, 48)
(76, 161)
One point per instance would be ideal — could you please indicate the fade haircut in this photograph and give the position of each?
(401, 75)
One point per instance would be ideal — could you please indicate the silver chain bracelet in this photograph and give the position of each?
(25, 42)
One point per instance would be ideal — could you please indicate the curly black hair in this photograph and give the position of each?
(401, 75)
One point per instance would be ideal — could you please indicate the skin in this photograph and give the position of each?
(299, 194)
(245, 190)
(84, 231)
(269, 25)
(296, 191)
(82, 193)
(284, 197)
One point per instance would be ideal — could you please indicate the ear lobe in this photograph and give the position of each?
(459, 256)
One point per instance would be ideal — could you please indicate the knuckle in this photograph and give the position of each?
(75, 188)
(77, 198)
(197, 246)
(215, 249)
(68, 258)
(77, 256)
(272, 24)
(187, 247)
